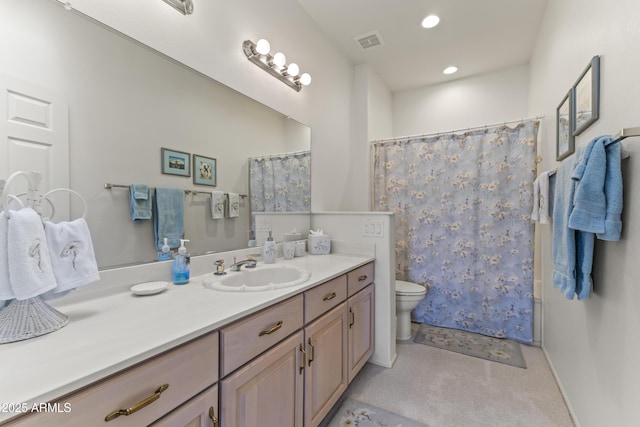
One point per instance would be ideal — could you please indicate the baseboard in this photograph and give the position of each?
(567, 402)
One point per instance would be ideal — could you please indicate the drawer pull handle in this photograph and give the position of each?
(212, 416)
(330, 296)
(362, 278)
(313, 352)
(135, 408)
(271, 329)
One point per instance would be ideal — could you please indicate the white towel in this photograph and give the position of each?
(6, 293)
(540, 211)
(30, 269)
(217, 205)
(234, 205)
(72, 256)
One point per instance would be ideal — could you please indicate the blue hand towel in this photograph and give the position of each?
(140, 201)
(168, 218)
(564, 238)
(598, 199)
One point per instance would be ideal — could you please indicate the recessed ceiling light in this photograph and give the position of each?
(450, 70)
(430, 21)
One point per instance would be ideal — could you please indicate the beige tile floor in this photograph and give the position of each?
(445, 389)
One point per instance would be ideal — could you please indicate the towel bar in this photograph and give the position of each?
(109, 186)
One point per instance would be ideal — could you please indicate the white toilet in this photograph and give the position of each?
(408, 296)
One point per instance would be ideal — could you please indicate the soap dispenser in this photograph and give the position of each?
(165, 254)
(269, 250)
(181, 265)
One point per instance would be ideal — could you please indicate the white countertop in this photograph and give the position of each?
(118, 330)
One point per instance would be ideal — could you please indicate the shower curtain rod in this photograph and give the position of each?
(399, 138)
(292, 153)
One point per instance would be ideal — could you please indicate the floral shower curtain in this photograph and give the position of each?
(280, 183)
(462, 205)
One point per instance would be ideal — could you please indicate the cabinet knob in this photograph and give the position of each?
(135, 408)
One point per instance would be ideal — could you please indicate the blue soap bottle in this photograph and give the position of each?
(165, 254)
(181, 265)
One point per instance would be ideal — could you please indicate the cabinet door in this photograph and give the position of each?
(201, 411)
(268, 390)
(326, 371)
(360, 330)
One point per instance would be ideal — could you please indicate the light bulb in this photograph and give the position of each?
(430, 21)
(450, 70)
(279, 59)
(293, 69)
(305, 79)
(263, 47)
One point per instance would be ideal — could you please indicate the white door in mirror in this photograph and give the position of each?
(149, 288)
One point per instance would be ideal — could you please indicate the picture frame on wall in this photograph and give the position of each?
(565, 140)
(204, 170)
(175, 162)
(586, 97)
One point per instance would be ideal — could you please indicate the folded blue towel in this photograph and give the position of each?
(140, 201)
(168, 218)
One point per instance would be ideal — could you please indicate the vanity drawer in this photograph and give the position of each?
(250, 336)
(359, 278)
(324, 297)
(187, 370)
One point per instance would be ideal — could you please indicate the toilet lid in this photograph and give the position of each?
(409, 288)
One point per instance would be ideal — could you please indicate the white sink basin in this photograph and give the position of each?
(258, 279)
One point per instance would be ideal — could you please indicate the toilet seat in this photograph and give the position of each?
(409, 288)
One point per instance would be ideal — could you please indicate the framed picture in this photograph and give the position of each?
(565, 141)
(586, 97)
(175, 162)
(204, 170)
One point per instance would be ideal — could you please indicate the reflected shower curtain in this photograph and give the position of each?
(280, 183)
(462, 205)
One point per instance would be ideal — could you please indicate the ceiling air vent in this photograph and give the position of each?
(369, 40)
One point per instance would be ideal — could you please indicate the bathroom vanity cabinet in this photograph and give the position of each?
(143, 393)
(331, 346)
(287, 363)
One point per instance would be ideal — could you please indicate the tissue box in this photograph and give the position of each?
(290, 237)
(319, 245)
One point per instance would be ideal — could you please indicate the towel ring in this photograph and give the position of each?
(5, 192)
(55, 190)
(15, 199)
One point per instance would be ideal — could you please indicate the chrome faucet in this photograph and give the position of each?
(248, 263)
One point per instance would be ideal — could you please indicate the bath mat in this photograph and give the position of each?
(351, 413)
(472, 344)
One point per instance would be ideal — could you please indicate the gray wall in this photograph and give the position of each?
(593, 345)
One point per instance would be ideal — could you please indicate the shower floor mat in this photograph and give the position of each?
(352, 413)
(471, 344)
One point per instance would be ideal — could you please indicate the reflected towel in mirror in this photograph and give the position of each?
(217, 205)
(168, 218)
(233, 205)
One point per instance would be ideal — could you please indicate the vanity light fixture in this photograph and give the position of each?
(183, 6)
(258, 53)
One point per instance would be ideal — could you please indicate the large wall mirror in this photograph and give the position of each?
(126, 102)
